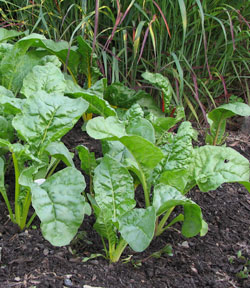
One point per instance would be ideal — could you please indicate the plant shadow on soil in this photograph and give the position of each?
(27, 260)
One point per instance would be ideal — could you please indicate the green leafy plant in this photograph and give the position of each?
(217, 120)
(166, 174)
(40, 120)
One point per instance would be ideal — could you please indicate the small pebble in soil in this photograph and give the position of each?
(185, 244)
(45, 252)
(68, 282)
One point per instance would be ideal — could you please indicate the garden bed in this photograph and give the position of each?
(215, 260)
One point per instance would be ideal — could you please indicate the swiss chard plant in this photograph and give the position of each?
(217, 120)
(166, 172)
(40, 118)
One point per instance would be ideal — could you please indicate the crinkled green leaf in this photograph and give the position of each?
(88, 161)
(215, 165)
(88, 63)
(134, 112)
(45, 119)
(8, 34)
(60, 205)
(101, 128)
(48, 78)
(119, 95)
(137, 228)
(163, 83)
(141, 127)
(97, 105)
(105, 227)
(113, 186)
(59, 151)
(178, 154)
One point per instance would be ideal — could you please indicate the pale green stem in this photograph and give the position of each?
(145, 190)
(53, 168)
(7, 202)
(164, 219)
(31, 220)
(17, 191)
(217, 133)
(26, 206)
(118, 251)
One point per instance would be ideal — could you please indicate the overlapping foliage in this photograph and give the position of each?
(201, 46)
(42, 101)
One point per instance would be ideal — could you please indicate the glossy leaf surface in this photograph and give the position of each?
(45, 119)
(113, 186)
(137, 228)
(60, 206)
(214, 165)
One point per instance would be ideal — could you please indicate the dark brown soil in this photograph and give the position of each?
(27, 260)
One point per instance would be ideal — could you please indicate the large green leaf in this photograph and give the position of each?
(229, 110)
(113, 186)
(61, 49)
(137, 228)
(109, 128)
(60, 205)
(178, 157)
(48, 78)
(214, 165)
(45, 119)
(97, 105)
